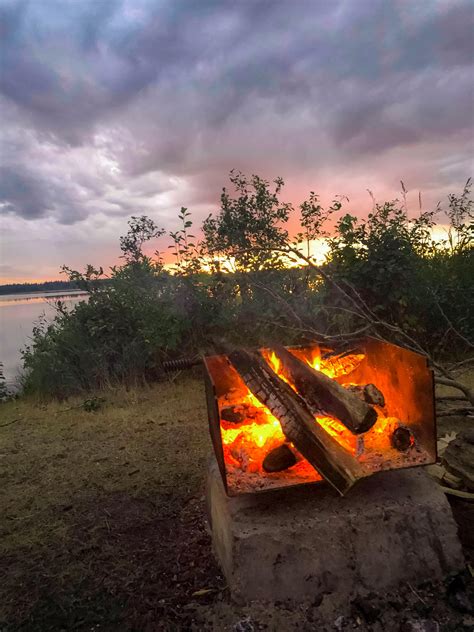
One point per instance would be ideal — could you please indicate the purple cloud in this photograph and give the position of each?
(115, 107)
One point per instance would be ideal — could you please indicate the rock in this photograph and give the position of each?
(366, 608)
(300, 542)
(244, 625)
(460, 595)
(279, 459)
(458, 458)
(452, 481)
(463, 511)
(468, 435)
(420, 625)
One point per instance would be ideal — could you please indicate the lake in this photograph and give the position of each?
(18, 315)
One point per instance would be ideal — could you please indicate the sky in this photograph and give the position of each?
(113, 108)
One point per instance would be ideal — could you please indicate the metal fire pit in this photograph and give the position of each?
(409, 412)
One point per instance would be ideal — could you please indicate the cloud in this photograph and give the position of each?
(124, 106)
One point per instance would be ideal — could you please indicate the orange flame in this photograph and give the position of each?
(258, 434)
(246, 444)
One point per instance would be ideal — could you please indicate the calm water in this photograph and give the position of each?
(18, 314)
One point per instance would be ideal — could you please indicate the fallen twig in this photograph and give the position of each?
(456, 412)
(416, 594)
(457, 492)
(447, 381)
(10, 423)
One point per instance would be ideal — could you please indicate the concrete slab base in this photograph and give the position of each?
(307, 542)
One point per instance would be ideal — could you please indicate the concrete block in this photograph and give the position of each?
(306, 542)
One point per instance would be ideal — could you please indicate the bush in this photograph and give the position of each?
(4, 392)
(236, 285)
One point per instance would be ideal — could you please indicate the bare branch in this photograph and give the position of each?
(380, 329)
(457, 385)
(451, 326)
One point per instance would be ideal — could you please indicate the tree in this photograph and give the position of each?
(248, 229)
(140, 230)
(314, 219)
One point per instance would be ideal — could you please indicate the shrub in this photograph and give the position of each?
(235, 285)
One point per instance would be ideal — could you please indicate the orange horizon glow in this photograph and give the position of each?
(318, 251)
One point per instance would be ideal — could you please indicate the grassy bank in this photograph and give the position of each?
(102, 524)
(102, 514)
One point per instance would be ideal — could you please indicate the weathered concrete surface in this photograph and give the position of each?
(307, 542)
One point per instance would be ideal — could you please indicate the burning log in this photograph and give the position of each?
(323, 452)
(324, 395)
(279, 459)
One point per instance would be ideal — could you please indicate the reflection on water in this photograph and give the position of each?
(18, 314)
(38, 297)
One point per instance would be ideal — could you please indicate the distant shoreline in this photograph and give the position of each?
(44, 294)
(46, 286)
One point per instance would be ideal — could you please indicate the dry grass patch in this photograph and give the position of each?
(102, 512)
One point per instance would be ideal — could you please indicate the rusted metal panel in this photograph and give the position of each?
(214, 418)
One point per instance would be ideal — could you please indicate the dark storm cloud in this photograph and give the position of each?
(24, 193)
(111, 92)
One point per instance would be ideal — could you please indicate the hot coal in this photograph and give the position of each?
(279, 459)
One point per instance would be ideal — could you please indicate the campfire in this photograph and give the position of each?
(287, 416)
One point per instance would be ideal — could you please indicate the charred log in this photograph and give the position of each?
(401, 438)
(323, 452)
(373, 395)
(237, 414)
(232, 415)
(368, 393)
(279, 459)
(324, 395)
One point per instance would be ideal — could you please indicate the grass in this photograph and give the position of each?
(140, 444)
(93, 504)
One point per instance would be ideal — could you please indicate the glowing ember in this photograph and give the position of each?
(246, 443)
(248, 432)
(332, 366)
(337, 430)
(258, 434)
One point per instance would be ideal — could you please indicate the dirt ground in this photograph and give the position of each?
(102, 527)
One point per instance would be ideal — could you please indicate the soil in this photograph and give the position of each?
(103, 527)
(124, 564)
